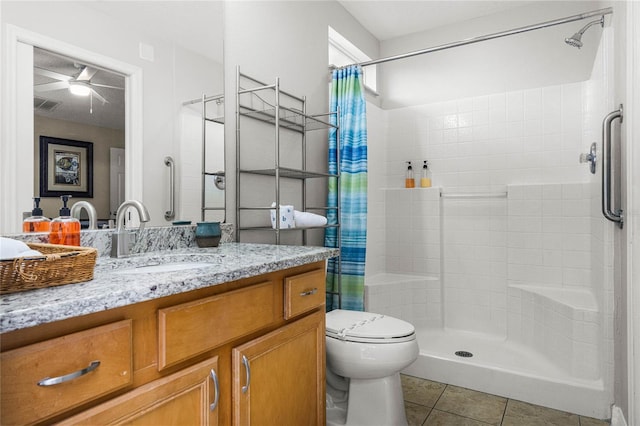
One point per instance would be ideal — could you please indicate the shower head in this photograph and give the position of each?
(576, 39)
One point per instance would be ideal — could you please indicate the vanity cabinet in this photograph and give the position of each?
(181, 359)
(278, 378)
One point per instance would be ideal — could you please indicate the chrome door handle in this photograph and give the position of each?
(214, 377)
(606, 169)
(245, 361)
(50, 381)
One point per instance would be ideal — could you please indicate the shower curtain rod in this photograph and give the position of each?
(599, 12)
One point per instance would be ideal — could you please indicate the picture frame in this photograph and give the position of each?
(66, 167)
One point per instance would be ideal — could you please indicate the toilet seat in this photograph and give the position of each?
(367, 327)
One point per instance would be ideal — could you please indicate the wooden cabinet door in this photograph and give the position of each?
(188, 397)
(278, 379)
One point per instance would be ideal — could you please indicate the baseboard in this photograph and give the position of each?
(617, 417)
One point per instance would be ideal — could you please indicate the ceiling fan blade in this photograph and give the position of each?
(100, 98)
(86, 74)
(106, 85)
(51, 74)
(47, 87)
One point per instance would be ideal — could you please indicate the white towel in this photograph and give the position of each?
(11, 249)
(286, 217)
(306, 219)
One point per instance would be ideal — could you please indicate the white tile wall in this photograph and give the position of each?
(528, 136)
(474, 264)
(549, 238)
(412, 298)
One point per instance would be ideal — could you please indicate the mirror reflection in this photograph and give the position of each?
(95, 114)
(161, 53)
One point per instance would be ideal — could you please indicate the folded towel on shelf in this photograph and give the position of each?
(12, 249)
(306, 219)
(285, 215)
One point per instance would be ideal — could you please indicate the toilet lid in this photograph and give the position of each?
(356, 326)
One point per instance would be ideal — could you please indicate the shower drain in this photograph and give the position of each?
(464, 354)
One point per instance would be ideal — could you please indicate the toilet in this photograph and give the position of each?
(365, 354)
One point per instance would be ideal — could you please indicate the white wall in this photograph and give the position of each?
(102, 138)
(167, 80)
(288, 40)
(536, 59)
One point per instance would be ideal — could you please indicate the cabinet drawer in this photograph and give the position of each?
(71, 360)
(303, 292)
(192, 328)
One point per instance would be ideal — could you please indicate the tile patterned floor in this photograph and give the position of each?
(430, 403)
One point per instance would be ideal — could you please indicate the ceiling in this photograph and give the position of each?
(387, 19)
(62, 105)
(193, 25)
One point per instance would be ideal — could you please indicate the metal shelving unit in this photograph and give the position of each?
(284, 113)
(218, 176)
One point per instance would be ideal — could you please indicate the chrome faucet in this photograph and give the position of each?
(121, 239)
(91, 211)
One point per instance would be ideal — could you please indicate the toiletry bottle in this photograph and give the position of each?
(425, 180)
(36, 222)
(409, 181)
(65, 229)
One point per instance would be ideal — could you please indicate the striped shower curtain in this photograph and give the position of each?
(347, 95)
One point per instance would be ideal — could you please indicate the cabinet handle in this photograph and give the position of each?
(309, 292)
(245, 361)
(214, 377)
(47, 381)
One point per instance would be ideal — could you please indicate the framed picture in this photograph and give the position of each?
(66, 167)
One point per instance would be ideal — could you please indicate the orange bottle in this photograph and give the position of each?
(65, 229)
(409, 181)
(36, 222)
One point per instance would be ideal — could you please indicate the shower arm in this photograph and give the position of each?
(573, 18)
(590, 24)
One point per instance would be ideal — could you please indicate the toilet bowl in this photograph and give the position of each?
(365, 354)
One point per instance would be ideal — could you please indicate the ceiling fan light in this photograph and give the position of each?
(79, 89)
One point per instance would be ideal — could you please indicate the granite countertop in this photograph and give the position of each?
(113, 287)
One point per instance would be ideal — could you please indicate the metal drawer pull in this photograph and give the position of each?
(47, 381)
(309, 292)
(245, 361)
(214, 377)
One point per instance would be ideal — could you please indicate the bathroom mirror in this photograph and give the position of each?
(171, 52)
(95, 114)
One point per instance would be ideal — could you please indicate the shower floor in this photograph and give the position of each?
(504, 368)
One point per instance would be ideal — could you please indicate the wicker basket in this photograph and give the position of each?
(59, 265)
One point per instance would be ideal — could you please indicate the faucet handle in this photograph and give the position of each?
(590, 157)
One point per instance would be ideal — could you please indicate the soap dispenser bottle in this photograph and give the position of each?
(36, 222)
(409, 181)
(65, 229)
(425, 179)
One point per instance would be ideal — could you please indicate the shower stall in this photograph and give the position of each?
(505, 265)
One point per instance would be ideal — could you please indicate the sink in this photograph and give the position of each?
(165, 267)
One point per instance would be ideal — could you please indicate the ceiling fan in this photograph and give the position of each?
(80, 84)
